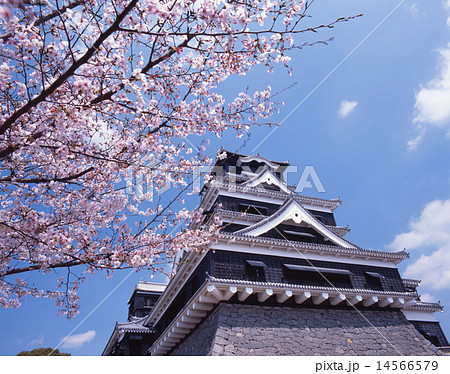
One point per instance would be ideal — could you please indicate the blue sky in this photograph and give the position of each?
(376, 131)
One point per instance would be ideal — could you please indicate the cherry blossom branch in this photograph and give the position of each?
(12, 148)
(46, 180)
(26, 269)
(100, 99)
(144, 70)
(58, 12)
(245, 31)
(49, 16)
(69, 72)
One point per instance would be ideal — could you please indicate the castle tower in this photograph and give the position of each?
(282, 280)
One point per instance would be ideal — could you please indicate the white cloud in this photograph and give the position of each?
(433, 100)
(414, 143)
(347, 107)
(432, 228)
(430, 236)
(76, 341)
(38, 341)
(413, 9)
(432, 106)
(447, 7)
(428, 298)
(432, 269)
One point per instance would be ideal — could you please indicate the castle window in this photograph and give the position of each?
(297, 235)
(254, 271)
(135, 342)
(432, 338)
(302, 234)
(373, 280)
(432, 332)
(317, 276)
(149, 302)
(139, 313)
(255, 166)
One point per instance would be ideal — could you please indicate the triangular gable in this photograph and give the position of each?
(269, 178)
(292, 210)
(248, 159)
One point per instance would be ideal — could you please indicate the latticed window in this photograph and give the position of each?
(255, 271)
(150, 301)
(373, 280)
(317, 276)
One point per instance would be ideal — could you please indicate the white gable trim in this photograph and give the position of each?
(292, 210)
(419, 315)
(267, 177)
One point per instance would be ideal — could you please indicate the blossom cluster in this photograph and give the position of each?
(93, 90)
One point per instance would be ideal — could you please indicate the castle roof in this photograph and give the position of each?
(238, 159)
(150, 287)
(426, 307)
(320, 249)
(144, 286)
(217, 187)
(121, 328)
(292, 210)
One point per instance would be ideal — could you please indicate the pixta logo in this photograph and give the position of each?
(309, 175)
(259, 178)
(147, 186)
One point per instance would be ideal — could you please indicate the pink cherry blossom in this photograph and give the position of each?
(95, 92)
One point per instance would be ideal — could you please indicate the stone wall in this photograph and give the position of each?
(238, 329)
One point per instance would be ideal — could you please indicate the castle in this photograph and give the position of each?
(281, 279)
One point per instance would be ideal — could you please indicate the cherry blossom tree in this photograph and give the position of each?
(95, 91)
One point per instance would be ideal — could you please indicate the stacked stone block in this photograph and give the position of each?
(238, 329)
